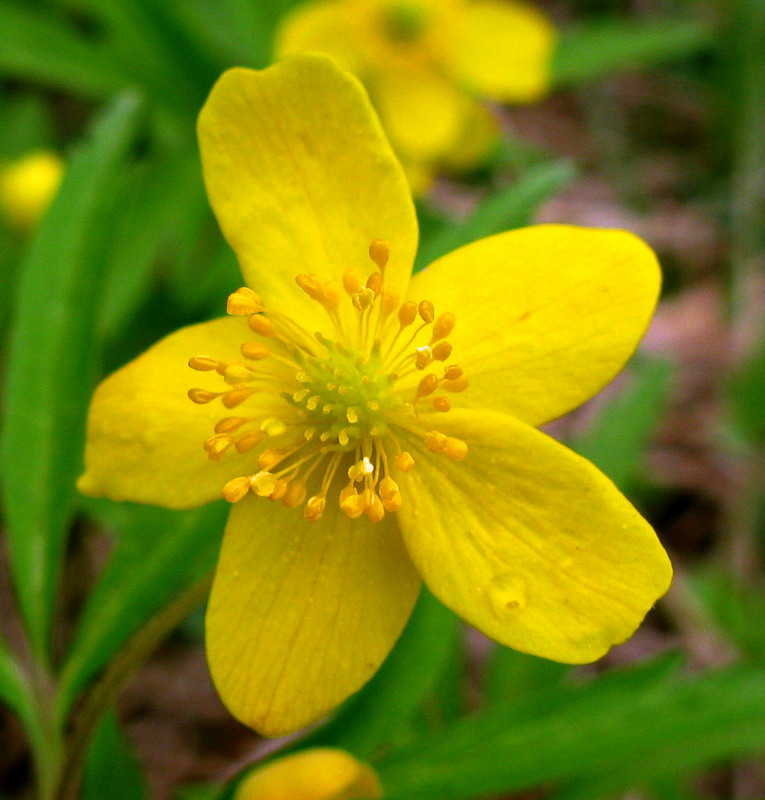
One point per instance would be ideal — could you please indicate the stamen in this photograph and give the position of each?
(427, 386)
(203, 363)
(314, 508)
(236, 489)
(426, 311)
(263, 483)
(202, 396)
(443, 326)
(243, 302)
(404, 461)
(442, 351)
(407, 313)
(255, 351)
(262, 326)
(379, 252)
(457, 385)
(441, 403)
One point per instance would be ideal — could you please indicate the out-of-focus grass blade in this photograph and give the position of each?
(513, 674)
(158, 554)
(599, 49)
(386, 705)
(14, 691)
(510, 207)
(25, 126)
(746, 393)
(111, 769)
(37, 45)
(620, 731)
(617, 440)
(157, 205)
(51, 361)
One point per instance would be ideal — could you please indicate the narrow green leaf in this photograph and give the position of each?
(513, 674)
(14, 691)
(37, 45)
(51, 365)
(622, 730)
(112, 769)
(510, 207)
(616, 442)
(158, 554)
(745, 392)
(599, 49)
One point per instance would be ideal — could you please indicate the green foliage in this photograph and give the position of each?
(51, 364)
(112, 769)
(620, 731)
(601, 48)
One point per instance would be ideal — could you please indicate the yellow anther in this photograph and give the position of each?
(228, 424)
(312, 402)
(441, 403)
(331, 295)
(203, 363)
(373, 405)
(343, 437)
(217, 445)
(300, 395)
(310, 285)
(263, 483)
(404, 461)
(407, 313)
(390, 300)
(452, 372)
(375, 282)
(235, 397)
(270, 458)
(236, 489)
(444, 326)
(236, 374)
(388, 487)
(352, 281)
(352, 503)
(314, 508)
(294, 495)
(374, 510)
(247, 441)
(442, 351)
(327, 408)
(352, 414)
(255, 351)
(309, 433)
(435, 441)
(393, 503)
(423, 357)
(201, 396)
(360, 469)
(427, 385)
(280, 489)
(261, 325)
(363, 299)
(426, 311)
(273, 427)
(221, 367)
(379, 252)
(458, 384)
(455, 448)
(243, 302)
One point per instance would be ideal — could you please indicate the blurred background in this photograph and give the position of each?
(653, 120)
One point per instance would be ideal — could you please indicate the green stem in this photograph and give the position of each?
(105, 692)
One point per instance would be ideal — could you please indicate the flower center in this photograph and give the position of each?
(346, 403)
(404, 23)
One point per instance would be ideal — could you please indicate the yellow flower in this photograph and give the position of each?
(319, 774)
(424, 63)
(398, 413)
(28, 185)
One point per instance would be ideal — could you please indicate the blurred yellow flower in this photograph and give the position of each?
(425, 63)
(28, 185)
(399, 412)
(319, 774)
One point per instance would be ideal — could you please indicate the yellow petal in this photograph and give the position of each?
(528, 541)
(145, 437)
(302, 613)
(28, 185)
(546, 316)
(302, 179)
(503, 50)
(421, 112)
(322, 773)
(322, 26)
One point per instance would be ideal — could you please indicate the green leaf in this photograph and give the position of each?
(513, 674)
(746, 390)
(510, 207)
(599, 49)
(38, 46)
(14, 689)
(51, 364)
(111, 768)
(616, 442)
(621, 730)
(159, 553)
